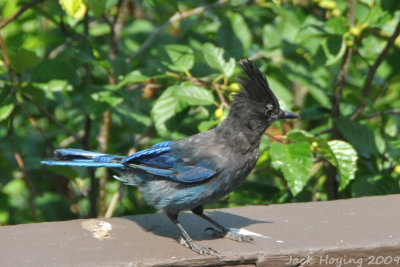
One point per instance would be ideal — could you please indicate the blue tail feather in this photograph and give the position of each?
(83, 158)
(84, 163)
(75, 153)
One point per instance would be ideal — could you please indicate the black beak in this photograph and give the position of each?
(289, 115)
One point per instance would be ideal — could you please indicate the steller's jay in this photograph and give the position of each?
(188, 173)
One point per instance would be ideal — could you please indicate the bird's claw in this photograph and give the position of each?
(231, 235)
(198, 249)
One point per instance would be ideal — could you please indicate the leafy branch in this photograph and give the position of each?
(17, 155)
(14, 16)
(178, 16)
(372, 70)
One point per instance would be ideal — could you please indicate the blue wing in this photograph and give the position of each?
(157, 160)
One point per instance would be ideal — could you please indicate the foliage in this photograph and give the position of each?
(119, 76)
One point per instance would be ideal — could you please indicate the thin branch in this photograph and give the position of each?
(389, 112)
(340, 81)
(52, 118)
(113, 204)
(362, 58)
(333, 185)
(221, 97)
(34, 122)
(119, 5)
(94, 183)
(7, 61)
(104, 134)
(103, 142)
(277, 138)
(21, 166)
(59, 49)
(323, 131)
(178, 16)
(116, 29)
(372, 71)
(70, 139)
(86, 131)
(341, 78)
(17, 154)
(14, 16)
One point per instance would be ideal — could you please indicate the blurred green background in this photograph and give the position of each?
(118, 76)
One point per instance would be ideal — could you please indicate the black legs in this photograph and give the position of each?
(187, 240)
(222, 230)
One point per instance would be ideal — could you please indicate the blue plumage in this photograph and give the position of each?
(151, 152)
(163, 144)
(188, 173)
(155, 160)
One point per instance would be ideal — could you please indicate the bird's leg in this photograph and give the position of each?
(222, 230)
(188, 241)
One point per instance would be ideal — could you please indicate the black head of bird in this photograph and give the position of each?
(256, 103)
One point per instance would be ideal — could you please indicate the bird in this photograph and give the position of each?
(186, 174)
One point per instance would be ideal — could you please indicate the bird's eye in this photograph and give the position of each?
(268, 110)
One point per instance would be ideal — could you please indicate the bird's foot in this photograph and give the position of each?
(198, 249)
(231, 235)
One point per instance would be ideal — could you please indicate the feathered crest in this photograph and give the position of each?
(255, 85)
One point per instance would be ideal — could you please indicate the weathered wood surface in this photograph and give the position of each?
(354, 232)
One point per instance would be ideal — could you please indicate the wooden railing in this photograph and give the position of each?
(354, 232)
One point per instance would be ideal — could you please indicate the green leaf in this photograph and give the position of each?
(370, 184)
(9, 8)
(300, 136)
(97, 6)
(346, 157)
(174, 99)
(377, 17)
(97, 99)
(215, 59)
(54, 86)
(135, 76)
(271, 38)
(393, 149)
(207, 125)
(307, 77)
(295, 161)
(23, 60)
(17, 192)
(165, 108)
(107, 97)
(229, 40)
(53, 207)
(178, 57)
(241, 30)
(360, 136)
(5, 111)
(331, 50)
(336, 25)
(136, 115)
(74, 8)
(193, 95)
(37, 94)
(334, 48)
(341, 155)
(56, 69)
(282, 93)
